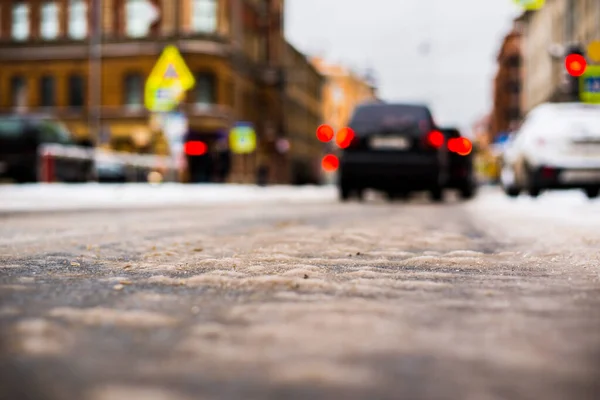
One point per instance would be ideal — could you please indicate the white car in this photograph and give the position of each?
(556, 147)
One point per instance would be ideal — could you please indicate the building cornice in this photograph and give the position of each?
(64, 50)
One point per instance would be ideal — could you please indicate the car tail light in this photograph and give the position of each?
(330, 163)
(460, 146)
(325, 133)
(345, 138)
(435, 139)
(548, 172)
(195, 148)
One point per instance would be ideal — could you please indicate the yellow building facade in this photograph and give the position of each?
(235, 49)
(546, 32)
(342, 92)
(304, 113)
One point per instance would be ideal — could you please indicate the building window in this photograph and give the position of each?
(337, 94)
(513, 86)
(76, 91)
(49, 20)
(513, 114)
(204, 16)
(47, 91)
(513, 61)
(133, 90)
(18, 91)
(205, 89)
(139, 16)
(78, 27)
(20, 21)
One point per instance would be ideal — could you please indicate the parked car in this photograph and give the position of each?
(394, 148)
(110, 170)
(20, 140)
(461, 175)
(557, 147)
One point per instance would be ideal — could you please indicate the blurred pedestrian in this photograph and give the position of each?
(262, 175)
(222, 161)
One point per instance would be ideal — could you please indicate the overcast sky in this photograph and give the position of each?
(454, 76)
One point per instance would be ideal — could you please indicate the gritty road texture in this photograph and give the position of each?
(317, 301)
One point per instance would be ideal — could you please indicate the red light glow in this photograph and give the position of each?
(195, 148)
(460, 146)
(344, 138)
(435, 139)
(575, 64)
(330, 163)
(325, 133)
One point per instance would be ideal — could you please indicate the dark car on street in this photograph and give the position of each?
(394, 148)
(461, 176)
(20, 141)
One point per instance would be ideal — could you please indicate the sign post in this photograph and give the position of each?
(165, 88)
(169, 80)
(589, 85)
(242, 142)
(242, 138)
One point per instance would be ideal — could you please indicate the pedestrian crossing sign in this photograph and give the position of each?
(242, 139)
(530, 5)
(169, 80)
(171, 72)
(589, 85)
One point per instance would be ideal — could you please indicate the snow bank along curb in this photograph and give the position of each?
(63, 197)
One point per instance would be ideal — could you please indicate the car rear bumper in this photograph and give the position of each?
(390, 171)
(566, 178)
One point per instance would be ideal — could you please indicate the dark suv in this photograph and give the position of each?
(395, 148)
(20, 140)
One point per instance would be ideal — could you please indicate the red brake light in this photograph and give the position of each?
(548, 172)
(461, 146)
(344, 138)
(195, 148)
(330, 163)
(435, 139)
(325, 133)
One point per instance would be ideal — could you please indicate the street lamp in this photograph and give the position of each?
(95, 72)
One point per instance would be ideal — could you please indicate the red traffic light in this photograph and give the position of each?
(325, 133)
(195, 148)
(575, 64)
(330, 163)
(344, 137)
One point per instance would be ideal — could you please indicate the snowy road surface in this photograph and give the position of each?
(280, 293)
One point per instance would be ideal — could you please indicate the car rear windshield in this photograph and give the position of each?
(569, 122)
(389, 117)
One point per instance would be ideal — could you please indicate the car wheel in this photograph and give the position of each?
(344, 193)
(360, 194)
(25, 176)
(390, 195)
(592, 193)
(534, 191)
(532, 188)
(511, 191)
(437, 194)
(467, 192)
